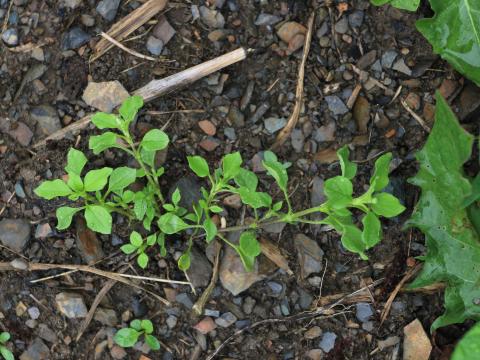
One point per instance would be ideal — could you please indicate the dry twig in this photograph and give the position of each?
(292, 121)
(127, 25)
(274, 255)
(124, 48)
(417, 117)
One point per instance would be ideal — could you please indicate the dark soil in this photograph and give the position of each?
(274, 75)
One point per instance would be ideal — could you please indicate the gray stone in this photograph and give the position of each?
(36, 351)
(363, 312)
(43, 230)
(317, 195)
(71, 305)
(310, 256)
(47, 334)
(233, 275)
(355, 19)
(274, 124)
(184, 299)
(298, 140)
(341, 26)
(154, 45)
(267, 19)
(106, 317)
(328, 341)
(367, 326)
(212, 18)
(305, 300)
(236, 116)
(47, 119)
(200, 269)
(87, 20)
(171, 321)
(189, 190)
(259, 112)
(19, 190)
(74, 38)
(105, 96)
(400, 66)
(14, 233)
(163, 30)
(275, 287)
(230, 133)
(388, 58)
(33, 312)
(248, 305)
(108, 9)
(10, 37)
(325, 133)
(366, 60)
(336, 105)
(275, 228)
(71, 4)
(227, 319)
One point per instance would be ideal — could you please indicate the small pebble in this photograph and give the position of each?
(154, 45)
(10, 37)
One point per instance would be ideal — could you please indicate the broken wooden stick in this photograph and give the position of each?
(21, 265)
(272, 252)
(127, 25)
(157, 88)
(293, 120)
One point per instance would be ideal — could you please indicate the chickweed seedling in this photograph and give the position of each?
(106, 191)
(128, 337)
(6, 354)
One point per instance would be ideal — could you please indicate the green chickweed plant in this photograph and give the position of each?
(106, 191)
(6, 354)
(129, 336)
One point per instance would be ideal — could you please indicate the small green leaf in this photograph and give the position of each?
(128, 248)
(147, 326)
(216, 209)
(130, 107)
(386, 205)
(184, 261)
(136, 324)
(75, 182)
(379, 179)
(255, 199)
(128, 196)
(126, 337)
(170, 223)
(52, 189)
(199, 165)
(339, 191)
(142, 260)
(161, 243)
(7, 354)
(248, 261)
(169, 207)
(76, 161)
(277, 206)
(98, 219)
(4, 337)
(277, 171)
(210, 229)
(136, 239)
(121, 178)
(352, 240)
(106, 121)
(151, 239)
(176, 197)
(102, 142)
(148, 157)
(152, 342)
(65, 215)
(96, 180)
(249, 244)
(372, 230)
(246, 178)
(154, 140)
(349, 169)
(231, 165)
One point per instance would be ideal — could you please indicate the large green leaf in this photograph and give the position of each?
(454, 33)
(453, 246)
(411, 5)
(469, 346)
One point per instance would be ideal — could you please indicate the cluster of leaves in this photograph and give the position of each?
(448, 214)
(105, 191)
(6, 354)
(454, 31)
(129, 336)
